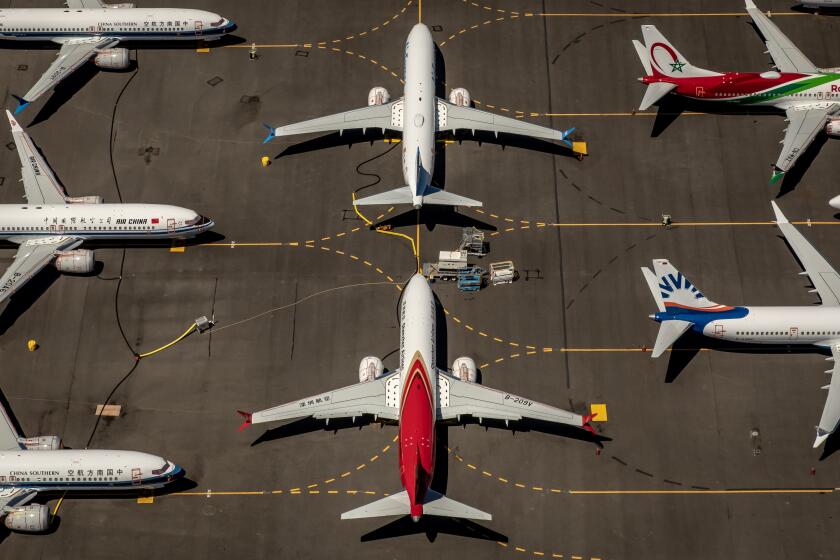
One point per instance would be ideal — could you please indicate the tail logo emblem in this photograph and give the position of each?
(677, 66)
(669, 283)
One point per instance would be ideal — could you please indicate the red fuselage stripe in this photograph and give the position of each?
(417, 435)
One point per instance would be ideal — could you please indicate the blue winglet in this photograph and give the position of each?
(22, 104)
(567, 132)
(270, 136)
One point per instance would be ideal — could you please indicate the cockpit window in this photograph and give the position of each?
(217, 23)
(194, 221)
(162, 469)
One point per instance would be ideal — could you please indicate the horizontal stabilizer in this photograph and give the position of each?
(436, 196)
(400, 195)
(654, 93)
(434, 504)
(669, 332)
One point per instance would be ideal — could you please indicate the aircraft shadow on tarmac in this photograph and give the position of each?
(431, 216)
(432, 526)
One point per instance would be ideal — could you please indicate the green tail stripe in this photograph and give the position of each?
(789, 89)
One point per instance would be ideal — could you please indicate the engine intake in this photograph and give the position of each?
(94, 199)
(832, 128)
(378, 96)
(29, 519)
(112, 59)
(80, 261)
(42, 443)
(370, 368)
(464, 369)
(461, 97)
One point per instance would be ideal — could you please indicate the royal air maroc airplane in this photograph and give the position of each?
(417, 396)
(419, 115)
(809, 96)
(51, 225)
(88, 29)
(682, 307)
(32, 465)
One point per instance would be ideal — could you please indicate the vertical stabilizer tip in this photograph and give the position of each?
(777, 174)
(247, 416)
(22, 104)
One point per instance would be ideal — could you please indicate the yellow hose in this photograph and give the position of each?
(58, 505)
(397, 234)
(165, 346)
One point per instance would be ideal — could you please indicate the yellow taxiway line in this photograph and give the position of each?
(710, 491)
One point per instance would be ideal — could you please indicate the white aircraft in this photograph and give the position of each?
(809, 95)
(682, 307)
(51, 225)
(835, 202)
(91, 28)
(417, 396)
(419, 115)
(820, 4)
(39, 464)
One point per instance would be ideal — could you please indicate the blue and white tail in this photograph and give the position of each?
(676, 298)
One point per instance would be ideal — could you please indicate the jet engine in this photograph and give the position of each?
(80, 261)
(378, 96)
(112, 59)
(465, 370)
(42, 443)
(832, 128)
(29, 519)
(94, 199)
(460, 96)
(370, 368)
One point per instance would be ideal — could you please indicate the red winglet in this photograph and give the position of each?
(247, 416)
(587, 418)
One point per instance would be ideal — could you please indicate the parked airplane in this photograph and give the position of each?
(51, 225)
(417, 396)
(91, 28)
(32, 465)
(820, 4)
(809, 96)
(682, 307)
(419, 115)
(835, 202)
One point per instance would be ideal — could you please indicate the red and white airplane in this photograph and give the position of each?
(417, 396)
(809, 95)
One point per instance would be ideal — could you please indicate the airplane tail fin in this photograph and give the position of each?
(434, 504)
(662, 59)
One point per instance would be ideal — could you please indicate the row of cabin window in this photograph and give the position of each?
(825, 95)
(51, 479)
(782, 333)
(78, 228)
(88, 30)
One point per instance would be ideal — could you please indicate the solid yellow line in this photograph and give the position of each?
(662, 14)
(619, 114)
(733, 491)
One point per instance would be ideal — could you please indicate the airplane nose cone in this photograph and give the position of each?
(835, 202)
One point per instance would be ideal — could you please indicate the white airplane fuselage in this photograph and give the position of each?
(101, 221)
(419, 112)
(88, 470)
(127, 24)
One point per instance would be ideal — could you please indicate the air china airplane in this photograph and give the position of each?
(32, 465)
(419, 115)
(682, 307)
(809, 96)
(91, 28)
(417, 396)
(51, 225)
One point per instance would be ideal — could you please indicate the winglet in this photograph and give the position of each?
(587, 418)
(247, 416)
(780, 218)
(271, 134)
(749, 4)
(566, 136)
(822, 435)
(22, 103)
(777, 174)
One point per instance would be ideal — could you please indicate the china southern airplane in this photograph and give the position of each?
(91, 28)
(682, 307)
(51, 225)
(809, 96)
(419, 115)
(417, 396)
(32, 465)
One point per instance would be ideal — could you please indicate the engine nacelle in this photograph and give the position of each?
(127, 5)
(112, 59)
(370, 368)
(42, 443)
(461, 97)
(464, 369)
(832, 128)
(94, 199)
(378, 96)
(79, 261)
(29, 519)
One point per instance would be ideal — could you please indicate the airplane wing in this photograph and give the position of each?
(39, 183)
(803, 127)
(455, 117)
(385, 116)
(8, 434)
(14, 498)
(825, 279)
(33, 254)
(85, 4)
(72, 55)
(831, 412)
(472, 399)
(348, 402)
(786, 56)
